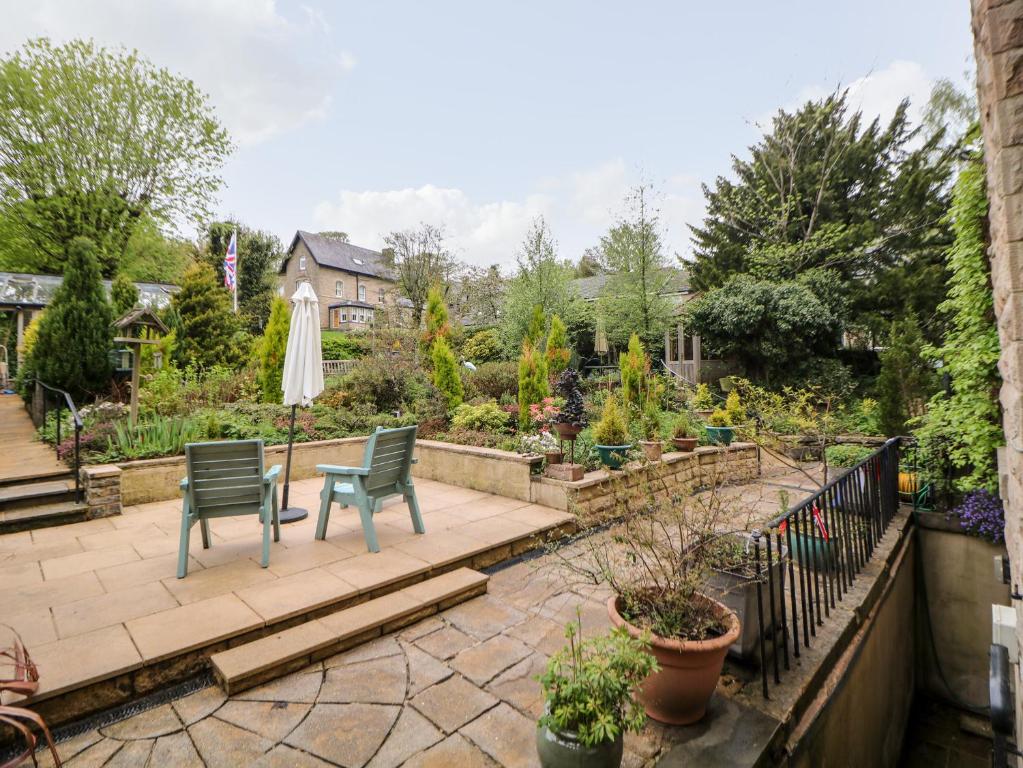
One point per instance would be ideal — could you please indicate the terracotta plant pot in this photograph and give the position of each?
(653, 449)
(685, 444)
(678, 694)
(553, 457)
(567, 431)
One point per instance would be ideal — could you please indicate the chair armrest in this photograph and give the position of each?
(183, 485)
(333, 469)
(415, 460)
(272, 473)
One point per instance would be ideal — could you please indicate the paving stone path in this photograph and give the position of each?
(455, 689)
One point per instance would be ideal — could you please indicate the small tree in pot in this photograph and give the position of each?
(656, 563)
(684, 432)
(611, 435)
(589, 690)
(652, 445)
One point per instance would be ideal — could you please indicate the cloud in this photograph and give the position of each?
(579, 207)
(266, 74)
(876, 94)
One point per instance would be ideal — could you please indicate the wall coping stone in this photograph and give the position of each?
(487, 453)
(96, 471)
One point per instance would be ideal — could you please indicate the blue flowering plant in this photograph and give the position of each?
(982, 514)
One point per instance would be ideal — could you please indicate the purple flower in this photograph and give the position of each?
(982, 514)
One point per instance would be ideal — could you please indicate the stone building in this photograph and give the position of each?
(998, 40)
(353, 284)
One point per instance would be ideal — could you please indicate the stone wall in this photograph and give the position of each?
(101, 490)
(482, 469)
(960, 586)
(998, 45)
(678, 473)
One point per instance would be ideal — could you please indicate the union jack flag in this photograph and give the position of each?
(231, 263)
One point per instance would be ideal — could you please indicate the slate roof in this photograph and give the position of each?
(335, 254)
(590, 288)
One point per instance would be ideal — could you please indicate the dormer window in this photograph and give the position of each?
(362, 293)
(339, 288)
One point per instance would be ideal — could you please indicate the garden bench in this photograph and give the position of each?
(386, 471)
(226, 479)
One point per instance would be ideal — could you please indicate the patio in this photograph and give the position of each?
(105, 617)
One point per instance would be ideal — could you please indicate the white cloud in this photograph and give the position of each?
(265, 73)
(876, 94)
(579, 208)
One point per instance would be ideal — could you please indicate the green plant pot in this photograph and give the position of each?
(562, 750)
(613, 456)
(720, 435)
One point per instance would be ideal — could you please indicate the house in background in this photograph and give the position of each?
(353, 284)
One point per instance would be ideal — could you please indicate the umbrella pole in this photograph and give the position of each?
(290, 514)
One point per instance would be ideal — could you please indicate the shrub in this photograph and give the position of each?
(209, 331)
(846, 455)
(557, 353)
(482, 347)
(493, 380)
(271, 350)
(533, 386)
(702, 399)
(445, 372)
(684, 426)
(651, 420)
(720, 418)
(906, 380)
(487, 417)
(156, 437)
(634, 367)
(339, 346)
(386, 383)
(982, 514)
(123, 295)
(734, 409)
(612, 428)
(75, 334)
(590, 685)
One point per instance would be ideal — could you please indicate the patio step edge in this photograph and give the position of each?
(42, 516)
(260, 661)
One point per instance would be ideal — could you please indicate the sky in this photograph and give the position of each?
(370, 117)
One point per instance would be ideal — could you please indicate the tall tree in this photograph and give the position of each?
(207, 329)
(419, 260)
(906, 380)
(633, 299)
(93, 139)
(75, 337)
(259, 257)
(540, 281)
(477, 297)
(271, 349)
(821, 190)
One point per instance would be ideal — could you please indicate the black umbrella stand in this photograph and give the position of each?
(290, 514)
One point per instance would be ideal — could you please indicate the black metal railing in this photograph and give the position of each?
(822, 545)
(62, 399)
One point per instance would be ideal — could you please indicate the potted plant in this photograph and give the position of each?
(553, 457)
(652, 446)
(589, 689)
(656, 565)
(683, 433)
(611, 435)
(572, 417)
(703, 401)
(719, 428)
(733, 580)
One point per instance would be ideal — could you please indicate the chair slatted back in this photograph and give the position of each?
(225, 478)
(389, 457)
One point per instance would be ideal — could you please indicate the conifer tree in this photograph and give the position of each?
(75, 335)
(537, 327)
(557, 348)
(437, 324)
(123, 295)
(208, 328)
(445, 372)
(906, 380)
(271, 350)
(533, 384)
(633, 365)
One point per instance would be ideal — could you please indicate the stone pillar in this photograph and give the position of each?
(101, 490)
(998, 44)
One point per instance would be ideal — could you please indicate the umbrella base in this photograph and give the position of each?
(292, 514)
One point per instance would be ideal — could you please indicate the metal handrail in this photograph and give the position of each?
(65, 399)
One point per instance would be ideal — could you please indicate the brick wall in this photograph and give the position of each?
(998, 41)
(101, 490)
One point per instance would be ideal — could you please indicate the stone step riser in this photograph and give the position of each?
(43, 516)
(31, 499)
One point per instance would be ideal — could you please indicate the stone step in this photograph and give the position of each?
(35, 493)
(42, 516)
(32, 474)
(268, 658)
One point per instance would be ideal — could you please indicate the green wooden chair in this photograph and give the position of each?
(386, 471)
(226, 479)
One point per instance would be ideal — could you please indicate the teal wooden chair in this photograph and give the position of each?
(225, 479)
(386, 471)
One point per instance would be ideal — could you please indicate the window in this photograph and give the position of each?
(344, 317)
(382, 296)
(362, 293)
(339, 288)
(301, 263)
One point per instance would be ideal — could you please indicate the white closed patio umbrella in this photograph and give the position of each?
(303, 374)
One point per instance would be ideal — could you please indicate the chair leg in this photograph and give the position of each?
(275, 510)
(186, 526)
(369, 530)
(322, 520)
(204, 526)
(413, 508)
(266, 536)
(378, 506)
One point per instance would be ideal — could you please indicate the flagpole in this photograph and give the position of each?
(237, 269)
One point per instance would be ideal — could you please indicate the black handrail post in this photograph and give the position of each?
(760, 610)
(78, 465)
(774, 619)
(58, 427)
